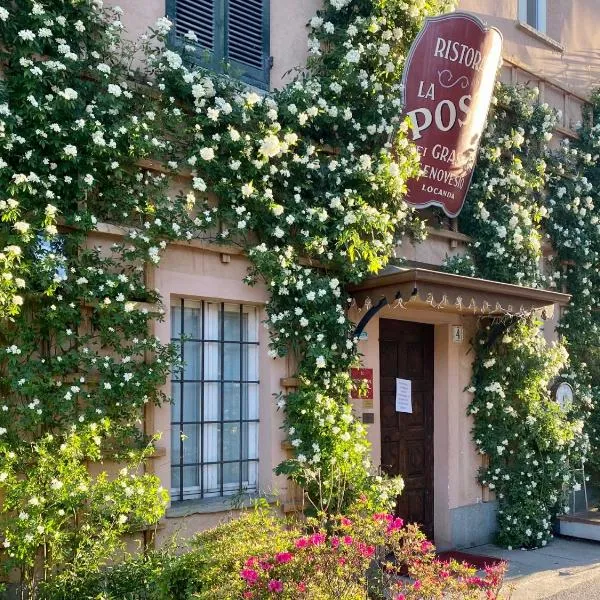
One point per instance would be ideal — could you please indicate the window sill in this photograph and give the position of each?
(207, 506)
(542, 37)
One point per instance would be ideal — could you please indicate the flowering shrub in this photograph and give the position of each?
(530, 441)
(310, 181)
(77, 363)
(573, 227)
(89, 513)
(365, 552)
(523, 192)
(261, 555)
(505, 206)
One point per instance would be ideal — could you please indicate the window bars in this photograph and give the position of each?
(214, 416)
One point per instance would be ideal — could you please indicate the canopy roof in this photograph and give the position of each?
(424, 288)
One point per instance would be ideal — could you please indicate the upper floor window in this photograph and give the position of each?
(214, 416)
(234, 32)
(533, 12)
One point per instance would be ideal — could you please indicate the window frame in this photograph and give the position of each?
(216, 59)
(541, 14)
(203, 491)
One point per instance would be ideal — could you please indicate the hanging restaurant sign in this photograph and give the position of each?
(448, 83)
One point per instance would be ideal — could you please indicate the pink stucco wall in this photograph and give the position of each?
(574, 24)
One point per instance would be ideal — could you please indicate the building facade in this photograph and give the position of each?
(222, 436)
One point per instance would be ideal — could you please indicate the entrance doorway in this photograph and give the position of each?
(406, 352)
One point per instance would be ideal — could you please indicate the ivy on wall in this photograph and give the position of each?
(519, 201)
(309, 182)
(77, 361)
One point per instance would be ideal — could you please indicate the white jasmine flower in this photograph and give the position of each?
(252, 98)
(21, 226)
(207, 153)
(163, 26)
(173, 59)
(68, 94)
(26, 35)
(199, 184)
(115, 90)
(353, 56)
(270, 146)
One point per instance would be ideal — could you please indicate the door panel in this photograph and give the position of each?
(406, 351)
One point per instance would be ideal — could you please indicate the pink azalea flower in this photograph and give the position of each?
(250, 576)
(302, 542)
(275, 585)
(265, 565)
(348, 540)
(395, 524)
(383, 517)
(365, 550)
(317, 538)
(283, 557)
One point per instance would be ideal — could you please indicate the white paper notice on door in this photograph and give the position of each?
(403, 396)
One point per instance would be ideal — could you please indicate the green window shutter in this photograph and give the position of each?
(247, 39)
(235, 31)
(197, 16)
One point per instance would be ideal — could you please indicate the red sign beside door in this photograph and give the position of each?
(448, 84)
(358, 376)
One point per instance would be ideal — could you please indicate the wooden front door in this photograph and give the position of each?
(406, 352)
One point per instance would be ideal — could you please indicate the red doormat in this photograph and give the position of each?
(475, 560)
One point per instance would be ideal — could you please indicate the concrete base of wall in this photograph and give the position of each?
(473, 525)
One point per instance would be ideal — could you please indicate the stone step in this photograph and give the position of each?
(584, 525)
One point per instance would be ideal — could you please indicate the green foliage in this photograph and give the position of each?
(516, 200)
(573, 227)
(504, 207)
(75, 517)
(208, 568)
(530, 441)
(222, 551)
(260, 555)
(136, 578)
(460, 264)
